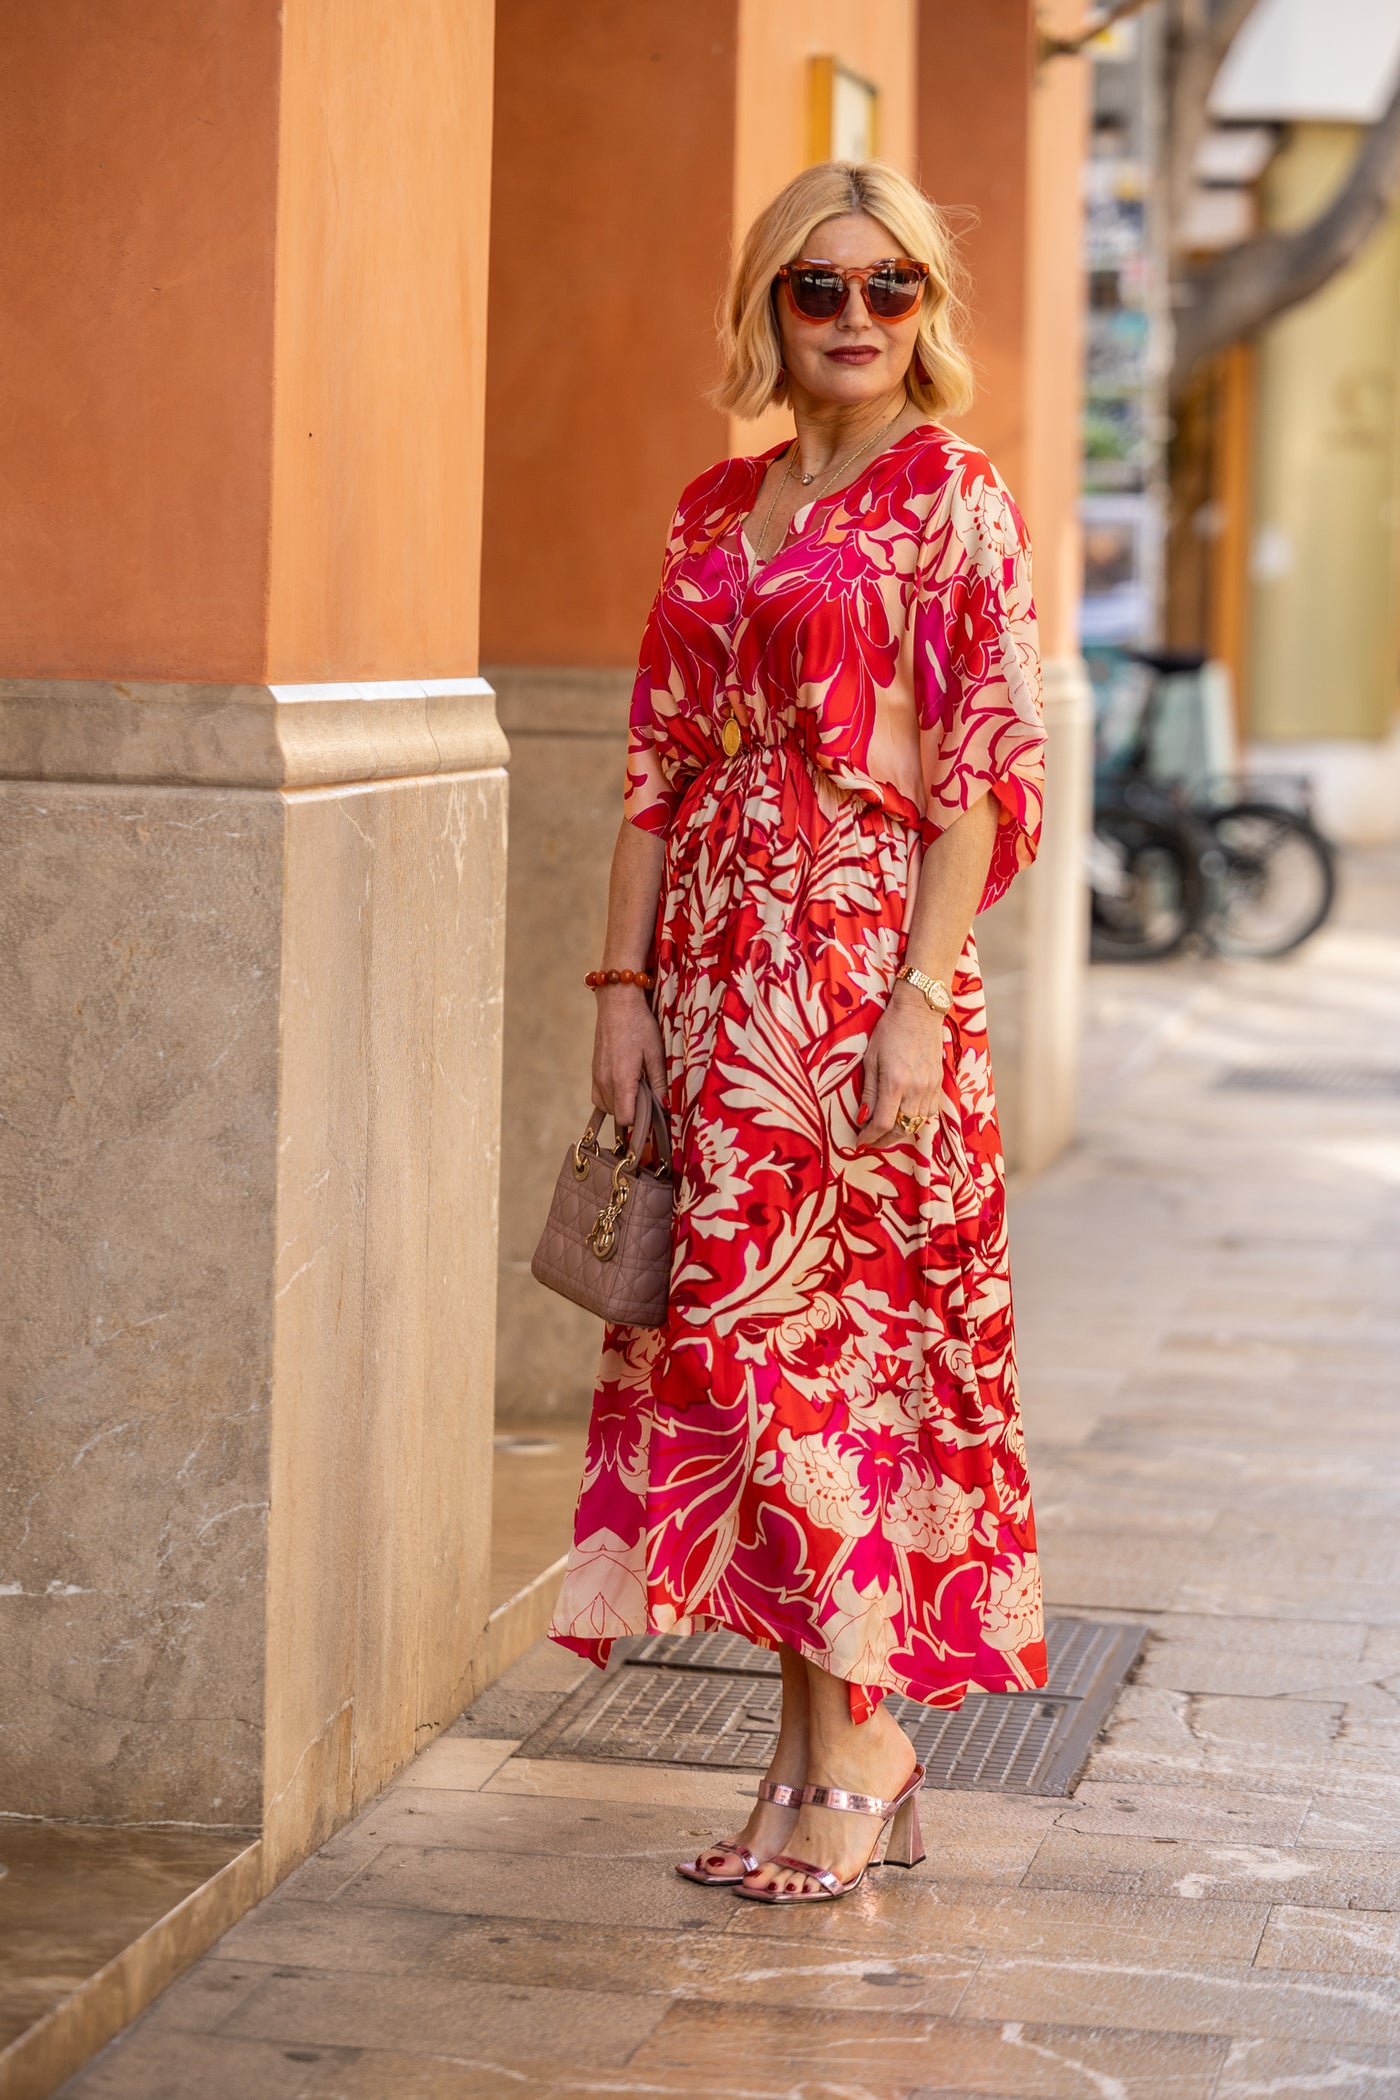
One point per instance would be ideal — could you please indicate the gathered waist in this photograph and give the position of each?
(778, 765)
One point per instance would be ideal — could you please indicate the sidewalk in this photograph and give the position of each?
(1209, 1305)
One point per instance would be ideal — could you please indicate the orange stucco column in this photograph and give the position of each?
(976, 83)
(244, 337)
(613, 198)
(1001, 142)
(138, 159)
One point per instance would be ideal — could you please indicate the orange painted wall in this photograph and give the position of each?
(975, 72)
(1005, 140)
(243, 336)
(875, 38)
(382, 244)
(138, 167)
(612, 207)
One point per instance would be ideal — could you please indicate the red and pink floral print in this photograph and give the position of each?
(822, 1445)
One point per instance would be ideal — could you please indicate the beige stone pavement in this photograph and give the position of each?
(1209, 1298)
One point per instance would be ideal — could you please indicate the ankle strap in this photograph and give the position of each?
(781, 1796)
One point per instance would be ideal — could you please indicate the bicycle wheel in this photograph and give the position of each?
(1276, 882)
(1147, 886)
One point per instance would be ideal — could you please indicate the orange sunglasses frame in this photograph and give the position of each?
(860, 276)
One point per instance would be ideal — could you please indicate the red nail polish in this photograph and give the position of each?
(864, 1116)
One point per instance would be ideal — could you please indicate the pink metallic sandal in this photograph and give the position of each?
(904, 1846)
(768, 1790)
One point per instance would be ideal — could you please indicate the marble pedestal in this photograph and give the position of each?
(250, 966)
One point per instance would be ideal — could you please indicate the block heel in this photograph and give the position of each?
(904, 1847)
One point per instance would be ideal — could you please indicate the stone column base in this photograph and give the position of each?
(250, 1037)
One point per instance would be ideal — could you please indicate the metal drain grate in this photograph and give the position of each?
(713, 1700)
(1311, 1076)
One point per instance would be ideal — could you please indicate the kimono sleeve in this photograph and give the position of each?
(977, 673)
(651, 795)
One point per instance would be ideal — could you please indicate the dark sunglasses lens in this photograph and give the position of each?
(893, 293)
(820, 294)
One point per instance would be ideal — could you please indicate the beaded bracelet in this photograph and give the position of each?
(643, 979)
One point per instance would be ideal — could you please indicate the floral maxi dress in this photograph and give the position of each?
(822, 1445)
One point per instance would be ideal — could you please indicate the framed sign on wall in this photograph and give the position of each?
(843, 121)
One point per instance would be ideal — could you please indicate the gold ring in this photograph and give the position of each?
(913, 1124)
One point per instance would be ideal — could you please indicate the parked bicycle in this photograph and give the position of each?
(1245, 873)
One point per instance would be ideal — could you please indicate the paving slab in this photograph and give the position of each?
(459, 1761)
(1224, 1998)
(1360, 1813)
(524, 1698)
(1256, 1673)
(855, 2054)
(286, 1931)
(1160, 1735)
(1292, 2070)
(728, 1968)
(687, 1786)
(420, 2015)
(973, 1919)
(532, 1885)
(1193, 1809)
(430, 1817)
(153, 2062)
(1349, 1942)
(1328, 1876)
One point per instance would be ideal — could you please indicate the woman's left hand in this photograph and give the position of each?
(903, 1067)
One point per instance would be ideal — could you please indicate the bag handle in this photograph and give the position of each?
(647, 1118)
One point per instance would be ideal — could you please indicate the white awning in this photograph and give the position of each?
(1311, 60)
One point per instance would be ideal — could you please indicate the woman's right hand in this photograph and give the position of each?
(626, 1043)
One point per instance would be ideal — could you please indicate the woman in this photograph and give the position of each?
(834, 763)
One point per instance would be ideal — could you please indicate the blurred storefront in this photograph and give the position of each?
(1285, 551)
(1124, 473)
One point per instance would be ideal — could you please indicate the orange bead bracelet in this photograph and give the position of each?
(643, 979)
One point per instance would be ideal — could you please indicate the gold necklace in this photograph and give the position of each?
(839, 468)
(768, 515)
(850, 461)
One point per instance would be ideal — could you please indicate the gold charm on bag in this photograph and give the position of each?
(602, 1233)
(584, 1150)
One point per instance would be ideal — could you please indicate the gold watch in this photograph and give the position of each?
(935, 991)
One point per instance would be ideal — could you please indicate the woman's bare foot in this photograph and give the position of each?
(769, 1827)
(870, 1757)
(766, 1832)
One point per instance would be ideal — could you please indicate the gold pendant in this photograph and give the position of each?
(732, 737)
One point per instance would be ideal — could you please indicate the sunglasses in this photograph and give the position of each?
(818, 291)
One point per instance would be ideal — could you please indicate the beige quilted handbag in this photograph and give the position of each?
(606, 1243)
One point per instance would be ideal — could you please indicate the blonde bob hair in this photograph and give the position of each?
(939, 378)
